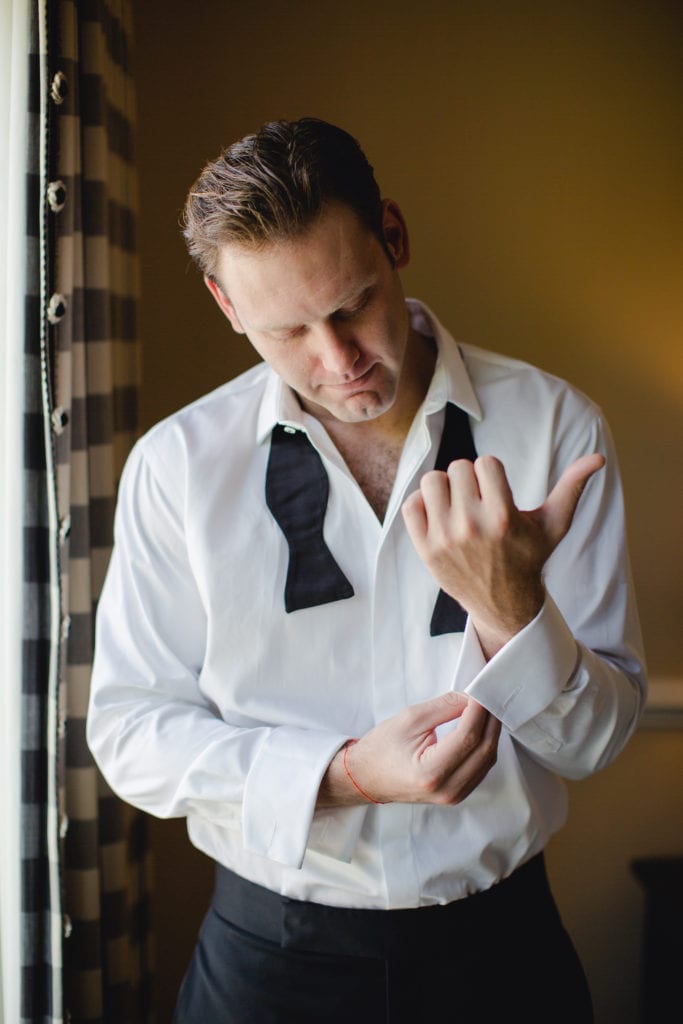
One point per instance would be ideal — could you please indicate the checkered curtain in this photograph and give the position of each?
(84, 943)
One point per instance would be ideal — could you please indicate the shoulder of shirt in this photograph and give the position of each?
(233, 399)
(225, 415)
(494, 372)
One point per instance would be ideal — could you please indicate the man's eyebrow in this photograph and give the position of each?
(355, 296)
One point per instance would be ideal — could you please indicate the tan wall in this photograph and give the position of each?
(536, 152)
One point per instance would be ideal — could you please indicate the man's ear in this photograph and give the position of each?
(224, 303)
(395, 234)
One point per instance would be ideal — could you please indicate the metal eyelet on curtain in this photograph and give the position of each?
(59, 88)
(59, 419)
(56, 308)
(56, 196)
(64, 528)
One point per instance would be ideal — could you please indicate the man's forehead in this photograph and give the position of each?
(285, 283)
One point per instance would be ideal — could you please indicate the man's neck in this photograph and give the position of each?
(391, 428)
(372, 448)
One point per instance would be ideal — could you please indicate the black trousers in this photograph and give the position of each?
(501, 955)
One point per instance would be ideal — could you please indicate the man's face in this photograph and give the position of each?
(326, 311)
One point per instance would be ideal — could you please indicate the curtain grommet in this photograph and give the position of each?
(59, 419)
(64, 528)
(56, 308)
(56, 196)
(59, 88)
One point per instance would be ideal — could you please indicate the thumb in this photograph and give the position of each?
(557, 511)
(437, 711)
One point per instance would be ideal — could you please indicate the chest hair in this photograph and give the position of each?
(374, 468)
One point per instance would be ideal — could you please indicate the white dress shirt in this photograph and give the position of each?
(209, 701)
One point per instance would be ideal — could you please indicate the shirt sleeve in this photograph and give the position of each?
(161, 745)
(570, 687)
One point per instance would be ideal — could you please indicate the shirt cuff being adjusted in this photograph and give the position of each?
(281, 791)
(526, 675)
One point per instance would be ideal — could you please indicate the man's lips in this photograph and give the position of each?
(357, 382)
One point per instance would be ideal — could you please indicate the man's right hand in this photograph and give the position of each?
(401, 760)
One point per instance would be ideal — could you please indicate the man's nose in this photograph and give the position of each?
(338, 351)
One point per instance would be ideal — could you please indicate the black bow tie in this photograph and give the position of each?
(297, 489)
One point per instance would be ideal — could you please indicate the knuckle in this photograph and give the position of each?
(488, 462)
(446, 799)
(468, 742)
(467, 529)
(490, 751)
(432, 476)
(501, 523)
(431, 786)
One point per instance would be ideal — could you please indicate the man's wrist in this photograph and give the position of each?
(336, 788)
(494, 634)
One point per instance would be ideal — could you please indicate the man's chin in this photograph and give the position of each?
(355, 409)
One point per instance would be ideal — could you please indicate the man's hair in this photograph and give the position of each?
(272, 185)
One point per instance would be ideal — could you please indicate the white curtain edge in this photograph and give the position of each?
(14, 50)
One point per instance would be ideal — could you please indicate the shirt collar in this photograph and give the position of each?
(450, 381)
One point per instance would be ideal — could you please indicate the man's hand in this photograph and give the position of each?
(485, 552)
(400, 760)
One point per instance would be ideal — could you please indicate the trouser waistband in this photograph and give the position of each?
(298, 924)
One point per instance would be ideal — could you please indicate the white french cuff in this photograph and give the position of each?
(526, 675)
(281, 790)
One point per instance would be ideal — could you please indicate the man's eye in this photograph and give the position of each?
(348, 314)
(290, 335)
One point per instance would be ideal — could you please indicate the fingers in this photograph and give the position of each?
(471, 772)
(493, 483)
(401, 760)
(467, 490)
(415, 518)
(429, 714)
(460, 761)
(557, 511)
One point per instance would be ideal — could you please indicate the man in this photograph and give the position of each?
(359, 676)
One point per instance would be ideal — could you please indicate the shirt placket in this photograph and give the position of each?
(394, 823)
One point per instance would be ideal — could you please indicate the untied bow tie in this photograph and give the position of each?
(297, 490)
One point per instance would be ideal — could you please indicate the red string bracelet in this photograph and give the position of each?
(353, 782)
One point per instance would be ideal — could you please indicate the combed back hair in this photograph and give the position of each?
(272, 185)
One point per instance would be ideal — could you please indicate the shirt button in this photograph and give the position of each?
(59, 88)
(64, 528)
(56, 308)
(65, 627)
(67, 926)
(290, 430)
(56, 196)
(63, 826)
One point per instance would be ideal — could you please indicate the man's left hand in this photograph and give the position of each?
(483, 550)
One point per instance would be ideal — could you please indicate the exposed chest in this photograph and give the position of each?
(374, 468)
